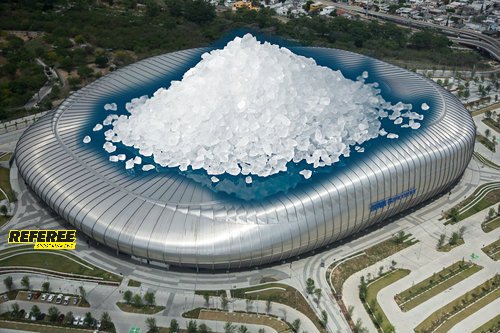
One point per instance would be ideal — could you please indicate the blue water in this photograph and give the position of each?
(261, 188)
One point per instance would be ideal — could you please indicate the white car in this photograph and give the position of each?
(51, 297)
(76, 320)
(59, 298)
(66, 300)
(81, 321)
(44, 297)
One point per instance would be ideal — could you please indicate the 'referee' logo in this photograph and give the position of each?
(45, 239)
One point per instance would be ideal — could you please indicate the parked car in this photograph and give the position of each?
(27, 316)
(82, 320)
(41, 316)
(66, 300)
(51, 297)
(76, 320)
(75, 300)
(98, 324)
(44, 297)
(36, 295)
(5, 298)
(30, 296)
(60, 318)
(59, 298)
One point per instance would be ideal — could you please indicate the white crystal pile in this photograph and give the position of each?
(251, 108)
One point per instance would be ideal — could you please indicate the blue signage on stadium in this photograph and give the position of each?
(386, 202)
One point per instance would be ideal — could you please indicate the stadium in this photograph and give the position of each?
(180, 219)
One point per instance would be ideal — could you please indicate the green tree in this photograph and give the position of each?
(491, 213)
(151, 324)
(242, 329)
(127, 296)
(199, 11)
(8, 282)
(88, 319)
(441, 240)
(461, 231)
(487, 133)
(454, 238)
(53, 313)
(14, 310)
(106, 323)
(310, 287)
(83, 293)
(203, 328)
(25, 282)
(137, 300)
(453, 214)
(68, 319)
(35, 311)
(229, 327)
(224, 302)
(174, 326)
(101, 61)
(149, 298)
(359, 328)
(269, 305)
(206, 297)
(192, 326)
(46, 287)
(400, 237)
(296, 325)
(324, 318)
(318, 292)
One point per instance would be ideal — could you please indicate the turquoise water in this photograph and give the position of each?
(261, 188)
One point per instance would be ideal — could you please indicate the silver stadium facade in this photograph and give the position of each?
(171, 219)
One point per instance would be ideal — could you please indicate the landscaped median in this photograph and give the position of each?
(53, 263)
(490, 326)
(443, 319)
(437, 283)
(240, 317)
(493, 250)
(491, 225)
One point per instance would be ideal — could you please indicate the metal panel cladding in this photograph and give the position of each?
(174, 220)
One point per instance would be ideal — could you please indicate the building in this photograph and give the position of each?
(168, 218)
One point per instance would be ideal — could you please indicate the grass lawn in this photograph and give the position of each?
(290, 296)
(245, 318)
(374, 310)
(59, 261)
(371, 255)
(492, 325)
(437, 283)
(448, 247)
(493, 124)
(5, 184)
(493, 250)
(489, 199)
(146, 309)
(133, 283)
(18, 326)
(486, 142)
(491, 225)
(461, 307)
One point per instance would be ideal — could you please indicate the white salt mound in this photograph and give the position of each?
(214, 179)
(109, 147)
(113, 158)
(148, 167)
(424, 106)
(86, 139)
(129, 164)
(392, 136)
(248, 180)
(251, 108)
(137, 160)
(111, 107)
(306, 173)
(97, 127)
(122, 157)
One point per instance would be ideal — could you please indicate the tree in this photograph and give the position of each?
(229, 327)
(324, 318)
(362, 288)
(206, 297)
(400, 237)
(262, 330)
(14, 312)
(137, 300)
(68, 319)
(149, 298)
(101, 61)
(199, 11)
(453, 214)
(4, 210)
(8, 283)
(174, 326)
(53, 313)
(127, 296)
(296, 325)
(454, 238)
(88, 319)
(106, 322)
(25, 282)
(310, 287)
(441, 240)
(487, 133)
(192, 326)
(358, 327)
(491, 213)
(46, 287)
(249, 304)
(35, 311)
(318, 292)
(83, 293)
(242, 329)
(151, 324)
(203, 328)
(350, 311)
